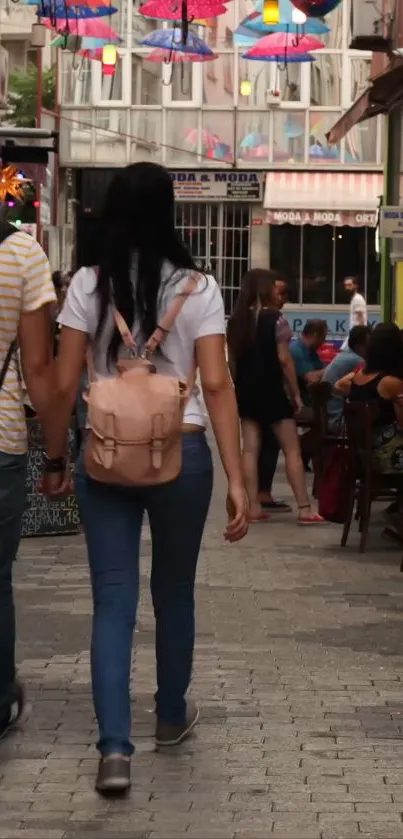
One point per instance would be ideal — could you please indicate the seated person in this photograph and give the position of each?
(381, 381)
(347, 361)
(308, 366)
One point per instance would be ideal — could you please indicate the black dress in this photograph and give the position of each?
(259, 381)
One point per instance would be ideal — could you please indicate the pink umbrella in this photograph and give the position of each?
(282, 44)
(209, 141)
(172, 9)
(160, 55)
(84, 27)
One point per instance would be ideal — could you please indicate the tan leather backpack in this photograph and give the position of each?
(135, 417)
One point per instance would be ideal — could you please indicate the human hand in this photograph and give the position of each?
(298, 404)
(238, 513)
(57, 485)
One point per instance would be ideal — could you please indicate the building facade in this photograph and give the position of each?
(255, 180)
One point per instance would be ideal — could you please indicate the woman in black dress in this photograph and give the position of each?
(258, 344)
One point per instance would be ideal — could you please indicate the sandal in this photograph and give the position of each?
(276, 506)
(312, 520)
(262, 517)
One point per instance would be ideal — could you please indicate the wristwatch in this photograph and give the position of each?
(54, 465)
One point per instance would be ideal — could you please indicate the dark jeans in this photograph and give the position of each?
(12, 505)
(112, 518)
(268, 460)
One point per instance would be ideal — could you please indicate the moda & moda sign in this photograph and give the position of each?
(317, 218)
(218, 186)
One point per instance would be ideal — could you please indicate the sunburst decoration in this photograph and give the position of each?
(11, 184)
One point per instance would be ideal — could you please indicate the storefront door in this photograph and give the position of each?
(218, 236)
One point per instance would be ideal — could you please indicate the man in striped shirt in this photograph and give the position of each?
(26, 299)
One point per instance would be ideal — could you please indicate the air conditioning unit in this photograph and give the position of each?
(273, 98)
(371, 25)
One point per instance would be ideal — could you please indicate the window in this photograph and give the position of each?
(361, 142)
(76, 79)
(315, 261)
(317, 264)
(326, 74)
(182, 137)
(146, 132)
(320, 123)
(218, 85)
(182, 84)
(288, 82)
(146, 81)
(285, 256)
(218, 239)
(253, 136)
(360, 72)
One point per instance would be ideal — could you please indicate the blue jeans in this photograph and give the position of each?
(12, 505)
(112, 518)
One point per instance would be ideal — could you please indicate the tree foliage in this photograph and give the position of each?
(22, 95)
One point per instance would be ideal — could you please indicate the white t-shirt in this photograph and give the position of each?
(358, 306)
(202, 314)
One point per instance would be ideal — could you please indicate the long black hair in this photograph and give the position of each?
(385, 351)
(257, 290)
(138, 232)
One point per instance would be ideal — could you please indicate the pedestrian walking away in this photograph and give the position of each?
(145, 297)
(27, 297)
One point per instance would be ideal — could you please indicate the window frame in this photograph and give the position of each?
(124, 56)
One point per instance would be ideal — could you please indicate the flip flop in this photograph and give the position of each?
(276, 506)
(313, 520)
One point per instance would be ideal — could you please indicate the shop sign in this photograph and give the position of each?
(338, 321)
(319, 218)
(218, 186)
(391, 222)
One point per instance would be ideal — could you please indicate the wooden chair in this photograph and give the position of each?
(367, 484)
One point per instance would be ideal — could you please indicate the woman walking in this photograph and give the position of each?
(258, 344)
(143, 267)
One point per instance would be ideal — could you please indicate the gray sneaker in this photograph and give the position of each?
(171, 735)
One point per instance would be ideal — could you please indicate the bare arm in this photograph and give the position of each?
(343, 386)
(38, 368)
(288, 367)
(221, 404)
(69, 367)
(360, 317)
(314, 377)
(391, 388)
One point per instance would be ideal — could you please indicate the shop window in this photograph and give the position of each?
(349, 259)
(326, 74)
(182, 137)
(252, 132)
(285, 256)
(317, 262)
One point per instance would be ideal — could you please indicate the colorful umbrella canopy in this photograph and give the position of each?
(160, 55)
(209, 141)
(171, 9)
(85, 27)
(284, 58)
(61, 12)
(69, 42)
(171, 40)
(315, 8)
(278, 44)
(254, 23)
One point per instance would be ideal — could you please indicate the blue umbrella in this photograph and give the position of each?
(61, 12)
(313, 26)
(171, 40)
(303, 58)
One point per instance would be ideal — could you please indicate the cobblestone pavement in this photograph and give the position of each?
(298, 671)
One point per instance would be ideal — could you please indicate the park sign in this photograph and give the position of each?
(391, 222)
(214, 185)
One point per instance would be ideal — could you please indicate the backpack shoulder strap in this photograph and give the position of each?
(7, 230)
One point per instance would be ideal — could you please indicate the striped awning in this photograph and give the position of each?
(319, 198)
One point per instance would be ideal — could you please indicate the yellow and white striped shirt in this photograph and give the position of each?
(25, 286)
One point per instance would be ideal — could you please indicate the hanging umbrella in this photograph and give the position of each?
(160, 55)
(285, 58)
(59, 11)
(293, 128)
(171, 10)
(69, 42)
(171, 40)
(316, 150)
(209, 141)
(85, 27)
(279, 44)
(315, 8)
(311, 27)
(221, 151)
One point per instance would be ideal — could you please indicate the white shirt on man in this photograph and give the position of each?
(358, 314)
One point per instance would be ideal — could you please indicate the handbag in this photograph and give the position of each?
(333, 495)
